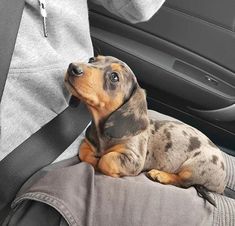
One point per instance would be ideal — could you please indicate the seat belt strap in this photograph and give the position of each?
(10, 17)
(39, 150)
(50, 141)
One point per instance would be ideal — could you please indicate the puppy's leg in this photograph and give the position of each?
(179, 179)
(120, 162)
(87, 153)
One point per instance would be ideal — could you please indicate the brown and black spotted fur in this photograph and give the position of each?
(123, 141)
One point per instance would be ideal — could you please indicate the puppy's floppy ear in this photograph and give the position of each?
(130, 119)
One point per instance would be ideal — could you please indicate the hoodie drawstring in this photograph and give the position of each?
(43, 12)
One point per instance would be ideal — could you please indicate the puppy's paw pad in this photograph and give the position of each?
(158, 176)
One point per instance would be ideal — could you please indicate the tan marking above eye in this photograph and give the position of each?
(116, 67)
(100, 58)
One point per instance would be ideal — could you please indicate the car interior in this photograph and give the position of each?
(183, 57)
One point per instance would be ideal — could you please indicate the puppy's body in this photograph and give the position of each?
(180, 147)
(167, 146)
(123, 141)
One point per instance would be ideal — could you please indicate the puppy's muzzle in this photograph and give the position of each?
(75, 70)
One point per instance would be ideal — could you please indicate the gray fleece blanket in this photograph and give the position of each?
(81, 197)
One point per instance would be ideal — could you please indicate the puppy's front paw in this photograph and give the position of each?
(108, 164)
(159, 176)
(92, 160)
(86, 154)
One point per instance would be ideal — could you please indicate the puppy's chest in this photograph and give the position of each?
(99, 142)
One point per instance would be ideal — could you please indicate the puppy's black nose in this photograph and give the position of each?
(74, 70)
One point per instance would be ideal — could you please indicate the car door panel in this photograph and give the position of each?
(170, 73)
(211, 39)
(178, 72)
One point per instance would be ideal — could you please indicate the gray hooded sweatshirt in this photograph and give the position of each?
(34, 93)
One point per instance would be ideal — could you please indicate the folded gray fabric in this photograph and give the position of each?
(86, 198)
(224, 214)
(230, 165)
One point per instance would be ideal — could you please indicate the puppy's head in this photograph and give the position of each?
(102, 83)
(109, 87)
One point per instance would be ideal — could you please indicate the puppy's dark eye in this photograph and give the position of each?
(114, 77)
(91, 60)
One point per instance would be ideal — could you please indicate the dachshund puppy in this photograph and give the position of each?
(123, 141)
